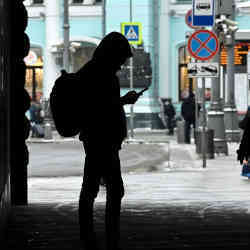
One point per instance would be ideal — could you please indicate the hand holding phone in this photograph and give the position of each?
(132, 96)
(142, 91)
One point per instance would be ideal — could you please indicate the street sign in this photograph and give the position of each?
(203, 70)
(133, 32)
(203, 12)
(203, 45)
(248, 65)
(189, 20)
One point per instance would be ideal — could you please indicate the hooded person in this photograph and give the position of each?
(103, 131)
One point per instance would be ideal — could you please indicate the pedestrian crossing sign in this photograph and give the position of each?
(133, 32)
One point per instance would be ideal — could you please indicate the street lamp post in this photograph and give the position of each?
(215, 112)
(131, 81)
(103, 18)
(230, 111)
(66, 40)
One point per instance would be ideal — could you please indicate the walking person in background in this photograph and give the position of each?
(244, 149)
(188, 113)
(169, 113)
(36, 119)
(243, 123)
(102, 141)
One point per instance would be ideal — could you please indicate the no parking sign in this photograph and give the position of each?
(203, 45)
(189, 20)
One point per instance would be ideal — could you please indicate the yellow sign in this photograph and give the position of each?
(132, 31)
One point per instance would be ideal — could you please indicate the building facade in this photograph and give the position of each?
(164, 42)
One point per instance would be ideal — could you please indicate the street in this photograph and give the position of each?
(66, 158)
(55, 174)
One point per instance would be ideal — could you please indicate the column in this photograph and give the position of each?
(52, 37)
(164, 38)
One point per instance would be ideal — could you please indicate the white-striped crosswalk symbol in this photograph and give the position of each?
(132, 31)
(131, 34)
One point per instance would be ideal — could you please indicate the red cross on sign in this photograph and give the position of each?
(203, 45)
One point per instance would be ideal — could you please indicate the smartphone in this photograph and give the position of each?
(141, 92)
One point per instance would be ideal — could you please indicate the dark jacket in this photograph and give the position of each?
(243, 123)
(103, 114)
(188, 109)
(169, 110)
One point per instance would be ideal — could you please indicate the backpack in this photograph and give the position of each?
(64, 104)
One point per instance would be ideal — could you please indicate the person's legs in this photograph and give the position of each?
(115, 192)
(34, 131)
(194, 130)
(170, 126)
(187, 132)
(89, 191)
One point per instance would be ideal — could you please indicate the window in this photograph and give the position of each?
(37, 1)
(77, 1)
(184, 83)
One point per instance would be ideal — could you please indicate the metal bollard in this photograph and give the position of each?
(181, 131)
(209, 143)
(47, 131)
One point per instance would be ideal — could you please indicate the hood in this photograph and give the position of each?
(113, 50)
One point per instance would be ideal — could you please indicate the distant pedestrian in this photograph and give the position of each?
(169, 114)
(36, 115)
(244, 148)
(102, 134)
(244, 121)
(188, 113)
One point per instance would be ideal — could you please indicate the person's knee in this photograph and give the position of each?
(88, 196)
(115, 194)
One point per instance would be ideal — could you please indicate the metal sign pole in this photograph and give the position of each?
(131, 106)
(204, 139)
(131, 84)
(66, 38)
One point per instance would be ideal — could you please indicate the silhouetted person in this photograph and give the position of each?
(188, 113)
(244, 148)
(244, 121)
(102, 134)
(169, 113)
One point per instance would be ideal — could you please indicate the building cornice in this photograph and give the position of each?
(74, 11)
(181, 9)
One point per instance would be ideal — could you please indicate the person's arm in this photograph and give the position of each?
(130, 98)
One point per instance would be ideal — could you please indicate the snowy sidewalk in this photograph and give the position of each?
(176, 206)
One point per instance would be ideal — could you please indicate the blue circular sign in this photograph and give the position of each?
(203, 45)
(189, 20)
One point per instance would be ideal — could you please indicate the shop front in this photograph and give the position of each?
(34, 74)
